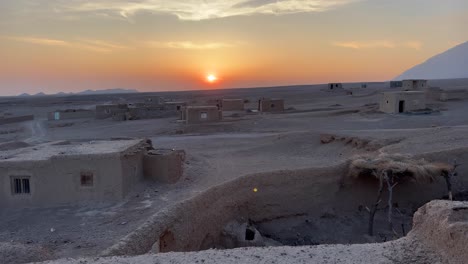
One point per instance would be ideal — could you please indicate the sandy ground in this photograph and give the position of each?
(216, 153)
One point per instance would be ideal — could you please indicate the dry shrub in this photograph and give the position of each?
(403, 167)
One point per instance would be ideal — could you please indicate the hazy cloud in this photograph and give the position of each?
(40, 41)
(198, 9)
(377, 44)
(190, 45)
(88, 44)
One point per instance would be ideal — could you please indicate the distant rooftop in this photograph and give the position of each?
(202, 107)
(62, 148)
(404, 92)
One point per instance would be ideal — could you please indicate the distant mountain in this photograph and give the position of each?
(88, 92)
(62, 93)
(108, 91)
(451, 64)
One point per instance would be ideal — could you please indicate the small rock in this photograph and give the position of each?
(52, 230)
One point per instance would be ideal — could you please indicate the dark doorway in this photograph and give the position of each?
(401, 106)
(249, 234)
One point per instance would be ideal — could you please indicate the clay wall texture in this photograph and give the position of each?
(390, 102)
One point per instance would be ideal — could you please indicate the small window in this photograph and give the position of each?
(272, 105)
(87, 179)
(20, 185)
(204, 115)
(178, 108)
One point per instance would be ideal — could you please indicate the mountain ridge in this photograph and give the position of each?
(450, 64)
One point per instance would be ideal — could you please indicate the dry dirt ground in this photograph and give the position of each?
(241, 144)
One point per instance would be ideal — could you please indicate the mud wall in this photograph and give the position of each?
(16, 119)
(453, 95)
(132, 169)
(232, 104)
(412, 101)
(57, 181)
(196, 223)
(164, 166)
(271, 105)
(210, 114)
(106, 111)
(65, 115)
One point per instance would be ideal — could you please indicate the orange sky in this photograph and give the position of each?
(155, 45)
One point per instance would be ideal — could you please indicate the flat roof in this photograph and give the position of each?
(62, 148)
(179, 102)
(403, 92)
(201, 107)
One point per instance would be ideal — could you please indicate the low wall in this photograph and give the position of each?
(196, 223)
(453, 95)
(16, 119)
(164, 166)
(64, 115)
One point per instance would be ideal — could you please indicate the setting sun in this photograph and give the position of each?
(211, 78)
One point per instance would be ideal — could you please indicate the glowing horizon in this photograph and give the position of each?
(155, 45)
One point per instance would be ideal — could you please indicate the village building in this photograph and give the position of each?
(201, 114)
(54, 173)
(396, 84)
(335, 86)
(174, 106)
(146, 112)
(402, 101)
(63, 173)
(231, 104)
(410, 85)
(109, 110)
(270, 105)
(70, 114)
(154, 100)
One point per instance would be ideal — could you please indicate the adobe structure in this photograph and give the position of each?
(174, 106)
(146, 112)
(201, 114)
(61, 173)
(154, 100)
(15, 119)
(402, 101)
(270, 105)
(335, 86)
(232, 104)
(409, 85)
(70, 114)
(396, 84)
(164, 165)
(110, 110)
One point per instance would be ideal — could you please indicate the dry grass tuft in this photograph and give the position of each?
(403, 167)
